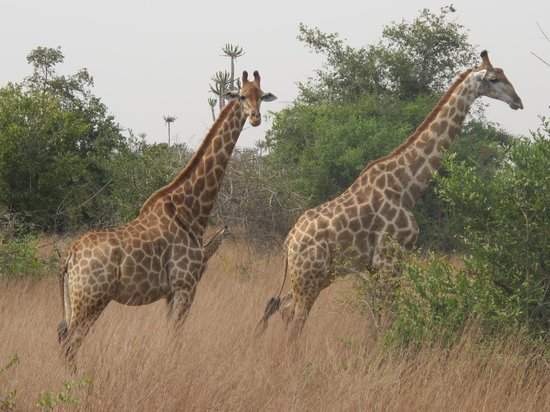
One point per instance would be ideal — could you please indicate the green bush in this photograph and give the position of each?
(19, 258)
(506, 222)
(137, 172)
(8, 399)
(435, 302)
(48, 401)
(55, 136)
(505, 283)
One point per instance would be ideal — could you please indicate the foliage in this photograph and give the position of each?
(137, 172)
(54, 138)
(507, 223)
(435, 302)
(412, 58)
(504, 282)
(19, 258)
(482, 147)
(8, 400)
(325, 146)
(422, 56)
(48, 401)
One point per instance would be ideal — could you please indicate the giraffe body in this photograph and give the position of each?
(160, 253)
(355, 226)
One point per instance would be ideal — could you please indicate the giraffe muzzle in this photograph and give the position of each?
(517, 104)
(255, 119)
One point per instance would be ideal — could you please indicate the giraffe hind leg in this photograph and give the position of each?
(287, 310)
(75, 334)
(303, 307)
(272, 306)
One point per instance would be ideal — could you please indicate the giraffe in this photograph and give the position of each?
(160, 253)
(356, 224)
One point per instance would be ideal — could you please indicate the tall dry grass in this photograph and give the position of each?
(137, 363)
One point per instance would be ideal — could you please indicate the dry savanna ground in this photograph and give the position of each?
(135, 362)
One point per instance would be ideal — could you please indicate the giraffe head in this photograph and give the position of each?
(251, 97)
(493, 83)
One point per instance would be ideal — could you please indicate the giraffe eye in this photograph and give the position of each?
(242, 97)
(494, 80)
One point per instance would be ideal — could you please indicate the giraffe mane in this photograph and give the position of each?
(193, 163)
(425, 123)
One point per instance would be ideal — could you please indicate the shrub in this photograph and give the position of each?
(48, 401)
(506, 222)
(19, 258)
(257, 198)
(435, 302)
(505, 282)
(7, 400)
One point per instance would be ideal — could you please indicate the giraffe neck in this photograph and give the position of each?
(193, 192)
(406, 172)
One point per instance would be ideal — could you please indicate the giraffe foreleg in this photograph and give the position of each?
(382, 282)
(180, 305)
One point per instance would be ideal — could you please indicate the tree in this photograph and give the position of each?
(139, 170)
(212, 103)
(222, 81)
(55, 140)
(412, 58)
(169, 120)
(505, 227)
(232, 51)
(424, 55)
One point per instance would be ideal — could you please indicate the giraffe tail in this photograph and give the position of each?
(62, 327)
(273, 305)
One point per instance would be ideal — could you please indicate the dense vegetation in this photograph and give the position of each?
(66, 165)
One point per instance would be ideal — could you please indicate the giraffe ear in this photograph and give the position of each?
(268, 97)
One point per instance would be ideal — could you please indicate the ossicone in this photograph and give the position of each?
(245, 77)
(257, 77)
(486, 63)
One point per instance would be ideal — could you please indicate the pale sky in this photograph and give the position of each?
(150, 58)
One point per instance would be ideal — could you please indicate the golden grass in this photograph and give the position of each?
(136, 363)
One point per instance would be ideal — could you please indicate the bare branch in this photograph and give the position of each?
(541, 59)
(543, 33)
